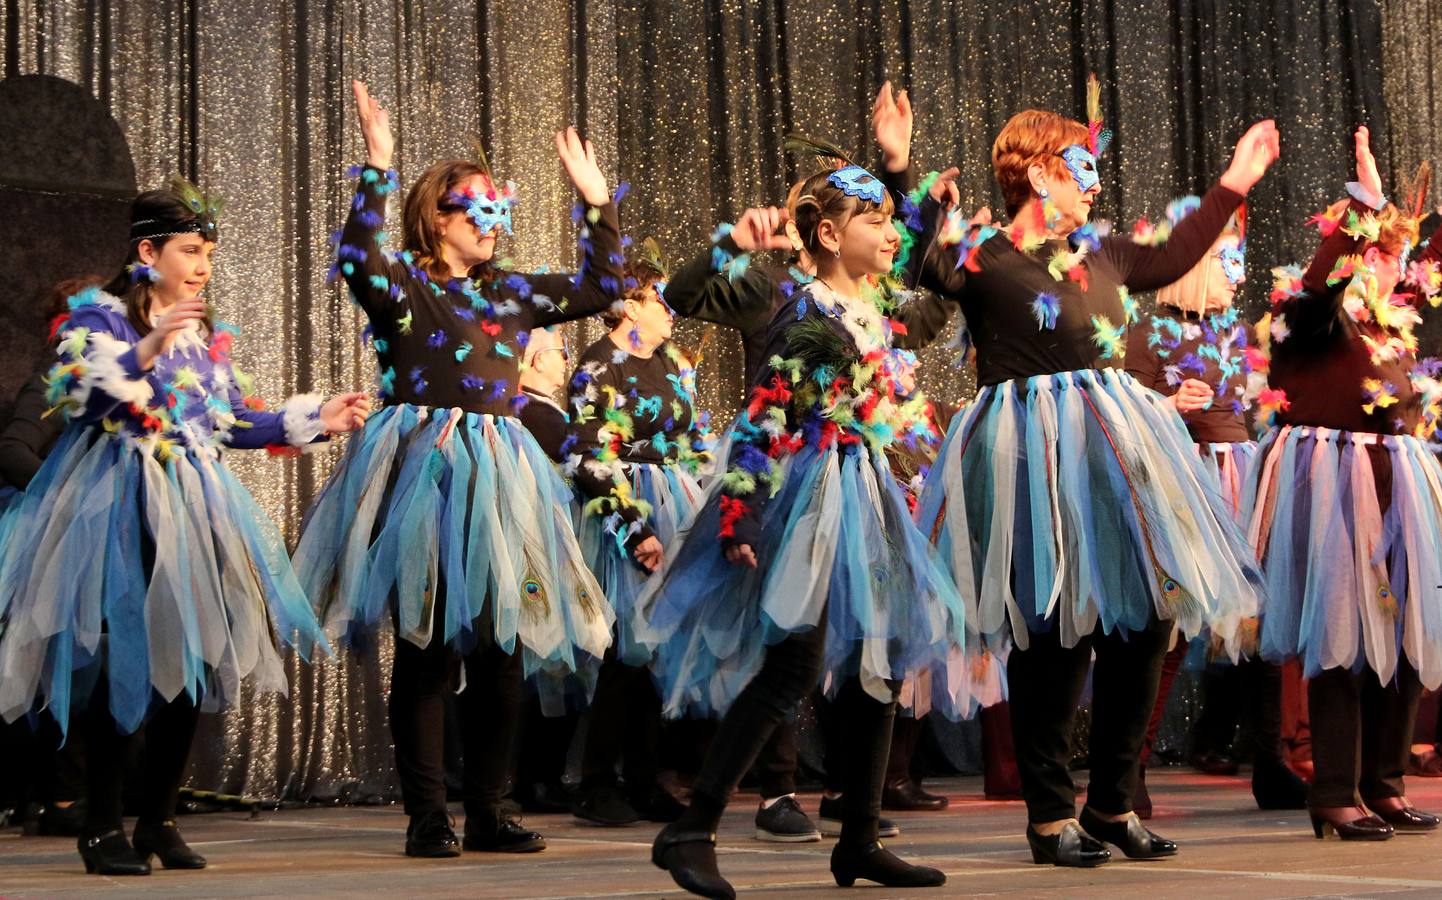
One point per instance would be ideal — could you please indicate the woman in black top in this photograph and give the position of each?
(1194, 351)
(1058, 491)
(445, 516)
(1345, 505)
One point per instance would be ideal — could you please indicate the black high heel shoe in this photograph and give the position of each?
(1073, 847)
(875, 863)
(690, 857)
(1129, 836)
(110, 854)
(1405, 818)
(1363, 828)
(164, 840)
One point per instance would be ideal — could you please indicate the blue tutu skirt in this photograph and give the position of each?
(430, 500)
(1077, 500)
(166, 576)
(673, 495)
(1348, 527)
(837, 541)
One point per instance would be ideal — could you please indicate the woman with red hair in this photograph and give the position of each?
(1067, 492)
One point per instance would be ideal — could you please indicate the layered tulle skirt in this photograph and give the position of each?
(165, 577)
(448, 522)
(1348, 527)
(672, 496)
(1077, 500)
(837, 544)
(1229, 463)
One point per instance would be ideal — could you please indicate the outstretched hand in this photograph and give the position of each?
(1255, 153)
(375, 125)
(944, 190)
(1367, 175)
(579, 158)
(345, 412)
(761, 229)
(892, 121)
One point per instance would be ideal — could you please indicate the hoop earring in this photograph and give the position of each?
(838, 252)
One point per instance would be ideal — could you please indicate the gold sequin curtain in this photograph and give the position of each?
(686, 101)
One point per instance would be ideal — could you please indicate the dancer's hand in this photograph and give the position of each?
(944, 190)
(757, 229)
(1192, 396)
(184, 314)
(741, 555)
(375, 125)
(345, 412)
(1255, 153)
(579, 158)
(1367, 175)
(891, 120)
(981, 216)
(649, 553)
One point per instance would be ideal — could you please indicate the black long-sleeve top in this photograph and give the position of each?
(547, 422)
(1323, 364)
(28, 437)
(1007, 298)
(1170, 346)
(714, 287)
(460, 344)
(628, 409)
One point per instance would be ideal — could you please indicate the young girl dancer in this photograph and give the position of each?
(140, 582)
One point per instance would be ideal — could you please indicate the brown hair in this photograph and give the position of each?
(419, 233)
(817, 198)
(639, 276)
(1395, 228)
(57, 301)
(158, 208)
(1031, 137)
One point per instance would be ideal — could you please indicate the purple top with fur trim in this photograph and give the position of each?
(192, 396)
(460, 344)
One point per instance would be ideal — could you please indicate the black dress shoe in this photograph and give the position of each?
(656, 804)
(1215, 763)
(500, 834)
(690, 857)
(1364, 828)
(1275, 786)
(62, 821)
(875, 863)
(164, 841)
(907, 795)
(1406, 818)
(110, 854)
(603, 804)
(1129, 836)
(544, 797)
(1073, 847)
(430, 836)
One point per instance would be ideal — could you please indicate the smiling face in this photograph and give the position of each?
(183, 264)
(868, 243)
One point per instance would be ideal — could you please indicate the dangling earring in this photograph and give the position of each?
(838, 252)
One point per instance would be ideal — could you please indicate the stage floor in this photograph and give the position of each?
(1229, 849)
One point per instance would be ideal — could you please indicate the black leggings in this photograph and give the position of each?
(1045, 684)
(1361, 734)
(625, 725)
(792, 668)
(169, 732)
(489, 709)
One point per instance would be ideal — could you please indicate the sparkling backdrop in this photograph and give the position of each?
(686, 102)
